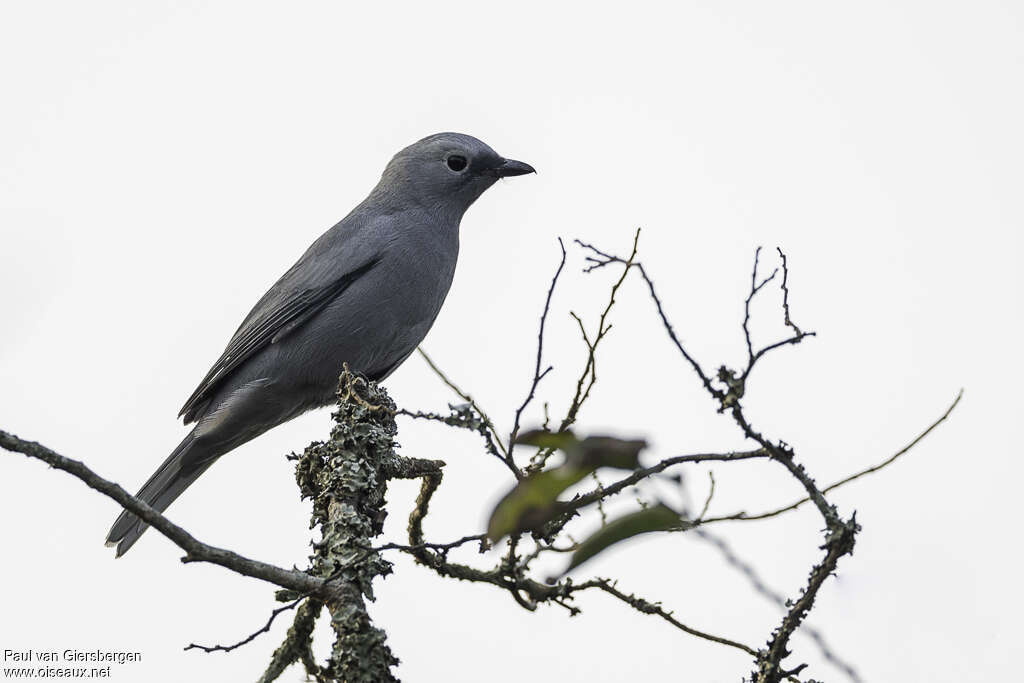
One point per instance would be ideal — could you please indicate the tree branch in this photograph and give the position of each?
(252, 636)
(195, 551)
(506, 456)
(538, 375)
(346, 478)
(743, 516)
(759, 585)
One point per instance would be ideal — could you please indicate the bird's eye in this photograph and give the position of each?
(456, 162)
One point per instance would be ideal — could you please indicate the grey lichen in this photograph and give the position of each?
(346, 478)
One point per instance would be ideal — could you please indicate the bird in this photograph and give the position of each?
(365, 294)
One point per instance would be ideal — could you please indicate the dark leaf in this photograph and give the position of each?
(607, 451)
(592, 452)
(659, 517)
(544, 439)
(533, 501)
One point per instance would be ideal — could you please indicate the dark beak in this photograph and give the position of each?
(511, 167)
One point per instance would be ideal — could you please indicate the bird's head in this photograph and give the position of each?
(448, 171)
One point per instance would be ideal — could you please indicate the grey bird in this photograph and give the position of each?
(365, 293)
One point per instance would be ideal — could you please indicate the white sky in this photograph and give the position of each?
(162, 163)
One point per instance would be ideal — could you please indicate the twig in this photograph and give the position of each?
(440, 547)
(785, 292)
(755, 287)
(798, 336)
(600, 500)
(840, 534)
(506, 456)
(527, 592)
(297, 646)
(538, 375)
(743, 516)
(646, 607)
(608, 258)
(589, 375)
(707, 501)
(585, 499)
(252, 636)
(761, 587)
(464, 417)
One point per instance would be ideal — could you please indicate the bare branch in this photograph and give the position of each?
(347, 477)
(785, 293)
(646, 607)
(506, 455)
(297, 646)
(463, 416)
(705, 380)
(762, 588)
(589, 375)
(840, 534)
(538, 375)
(440, 547)
(755, 287)
(195, 551)
(839, 541)
(743, 516)
(585, 499)
(526, 592)
(252, 636)
(707, 501)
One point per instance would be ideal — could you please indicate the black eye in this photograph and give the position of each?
(456, 162)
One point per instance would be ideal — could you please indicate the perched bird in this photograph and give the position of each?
(365, 293)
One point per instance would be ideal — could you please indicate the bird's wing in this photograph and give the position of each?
(312, 283)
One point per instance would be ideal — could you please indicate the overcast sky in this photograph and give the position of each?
(161, 164)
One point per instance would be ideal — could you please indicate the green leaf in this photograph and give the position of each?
(544, 439)
(607, 451)
(592, 452)
(533, 501)
(656, 518)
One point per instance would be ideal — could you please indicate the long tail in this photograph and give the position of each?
(169, 481)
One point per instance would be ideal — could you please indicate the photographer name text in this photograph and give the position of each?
(70, 656)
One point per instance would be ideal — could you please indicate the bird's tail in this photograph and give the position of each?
(167, 483)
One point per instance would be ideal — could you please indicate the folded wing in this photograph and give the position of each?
(301, 293)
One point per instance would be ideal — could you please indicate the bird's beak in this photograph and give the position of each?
(511, 167)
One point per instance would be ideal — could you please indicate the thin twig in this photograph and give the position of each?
(707, 501)
(743, 516)
(588, 377)
(506, 455)
(785, 292)
(525, 591)
(298, 646)
(585, 499)
(755, 287)
(745, 568)
(462, 416)
(440, 547)
(798, 336)
(252, 636)
(538, 374)
(646, 607)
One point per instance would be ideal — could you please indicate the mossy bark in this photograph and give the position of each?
(346, 478)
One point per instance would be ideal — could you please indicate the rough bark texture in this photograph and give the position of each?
(346, 479)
